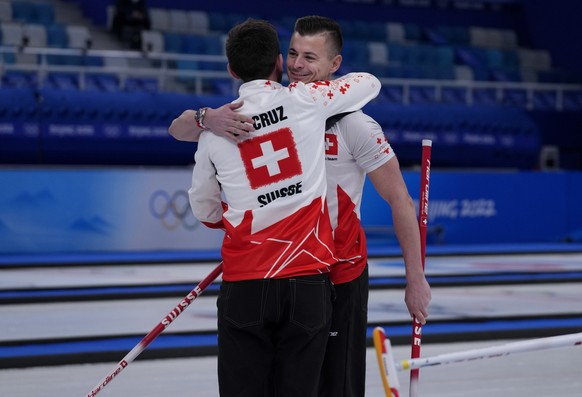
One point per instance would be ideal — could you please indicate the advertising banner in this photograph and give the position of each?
(64, 210)
(147, 209)
(487, 208)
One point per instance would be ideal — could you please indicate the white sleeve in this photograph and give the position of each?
(345, 94)
(205, 194)
(365, 140)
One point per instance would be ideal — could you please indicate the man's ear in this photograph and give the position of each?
(233, 74)
(336, 62)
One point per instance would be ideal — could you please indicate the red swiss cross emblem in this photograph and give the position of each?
(331, 148)
(270, 158)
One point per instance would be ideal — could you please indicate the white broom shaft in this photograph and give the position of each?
(494, 351)
(157, 330)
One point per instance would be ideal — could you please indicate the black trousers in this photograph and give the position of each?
(344, 368)
(272, 336)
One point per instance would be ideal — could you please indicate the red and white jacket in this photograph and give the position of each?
(268, 191)
(354, 146)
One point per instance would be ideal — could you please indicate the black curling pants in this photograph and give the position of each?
(272, 336)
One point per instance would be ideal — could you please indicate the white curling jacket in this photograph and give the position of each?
(355, 145)
(268, 191)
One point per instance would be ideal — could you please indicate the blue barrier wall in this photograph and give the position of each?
(141, 210)
(489, 207)
(99, 210)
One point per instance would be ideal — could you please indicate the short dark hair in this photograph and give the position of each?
(252, 49)
(315, 24)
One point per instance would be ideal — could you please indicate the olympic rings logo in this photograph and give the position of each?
(174, 210)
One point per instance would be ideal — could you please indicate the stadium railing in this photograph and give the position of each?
(162, 66)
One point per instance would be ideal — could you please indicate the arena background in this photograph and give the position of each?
(88, 165)
(97, 241)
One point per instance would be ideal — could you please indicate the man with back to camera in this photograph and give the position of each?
(274, 305)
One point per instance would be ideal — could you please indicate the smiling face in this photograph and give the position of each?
(310, 58)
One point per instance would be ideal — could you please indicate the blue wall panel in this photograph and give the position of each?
(141, 210)
(489, 207)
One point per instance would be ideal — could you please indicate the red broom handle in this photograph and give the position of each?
(422, 223)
